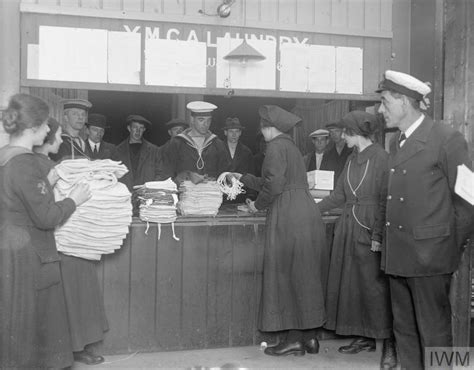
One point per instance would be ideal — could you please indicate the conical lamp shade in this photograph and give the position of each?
(244, 52)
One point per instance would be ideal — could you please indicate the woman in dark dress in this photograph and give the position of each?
(358, 298)
(34, 331)
(293, 278)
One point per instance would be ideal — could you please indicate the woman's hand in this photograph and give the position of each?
(251, 206)
(53, 176)
(232, 175)
(376, 246)
(80, 193)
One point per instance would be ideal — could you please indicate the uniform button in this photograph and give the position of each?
(400, 227)
(387, 223)
(404, 172)
(401, 199)
(392, 170)
(389, 197)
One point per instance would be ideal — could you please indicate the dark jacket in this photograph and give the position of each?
(182, 155)
(358, 298)
(241, 163)
(31, 293)
(148, 167)
(106, 151)
(294, 258)
(68, 149)
(337, 161)
(426, 221)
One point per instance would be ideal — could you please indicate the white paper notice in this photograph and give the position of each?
(464, 186)
(33, 61)
(349, 70)
(307, 68)
(248, 75)
(124, 59)
(175, 63)
(72, 54)
(324, 180)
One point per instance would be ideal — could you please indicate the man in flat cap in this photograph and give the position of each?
(318, 159)
(337, 150)
(427, 223)
(239, 156)
(141, 157)
(196, 149)
(74, 119)
(96, 148)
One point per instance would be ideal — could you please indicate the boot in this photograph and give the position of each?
(312, 346)
(358, 345)
(286, 348)
(389, 355)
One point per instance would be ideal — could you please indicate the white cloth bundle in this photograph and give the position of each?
(99, 225)
(203, 199)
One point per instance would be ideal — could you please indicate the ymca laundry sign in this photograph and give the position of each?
(172, 55)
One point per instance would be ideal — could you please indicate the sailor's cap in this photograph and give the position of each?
(319, 132)
(201, 108)
(76, 103)
(404, 84)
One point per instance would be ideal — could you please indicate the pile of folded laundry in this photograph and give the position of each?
(203, 199)
(99, 225)
(157, 201)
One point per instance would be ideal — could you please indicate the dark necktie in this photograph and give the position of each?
(95, 149)
(401, 139)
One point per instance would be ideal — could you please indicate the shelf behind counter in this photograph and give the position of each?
(199, 292)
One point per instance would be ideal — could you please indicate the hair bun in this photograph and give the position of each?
(10, 121)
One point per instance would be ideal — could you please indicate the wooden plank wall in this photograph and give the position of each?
(202, 291)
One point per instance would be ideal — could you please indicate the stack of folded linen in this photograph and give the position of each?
(99, 225)
(157, 201)
(203, 199)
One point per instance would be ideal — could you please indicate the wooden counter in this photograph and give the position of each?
(203, 291)
(199, 292)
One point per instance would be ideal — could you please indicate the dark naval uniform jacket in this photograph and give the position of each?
(182, 155)
(69, 149)
(426, 222)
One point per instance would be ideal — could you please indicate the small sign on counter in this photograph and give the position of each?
(321, 180)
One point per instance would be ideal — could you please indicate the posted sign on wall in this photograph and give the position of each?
(121, 52)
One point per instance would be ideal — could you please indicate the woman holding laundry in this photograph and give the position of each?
(294, 260)
(34, 331)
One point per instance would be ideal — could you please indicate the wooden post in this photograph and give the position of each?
(459, 113)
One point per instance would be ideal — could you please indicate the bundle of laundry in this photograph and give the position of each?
(203, 199)
(157, 201)
(99, 225)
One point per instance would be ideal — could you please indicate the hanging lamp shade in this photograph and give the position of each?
(244, 52)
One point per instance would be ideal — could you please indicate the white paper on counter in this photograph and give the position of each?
(464, 186)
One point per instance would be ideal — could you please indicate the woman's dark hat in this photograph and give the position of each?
(175, 122)
(360, 122)
(136, 118)
(233, 123)
(97, 120)
(278, 117)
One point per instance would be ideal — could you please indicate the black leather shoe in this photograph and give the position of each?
(389, 355)
(312, 346)
(358, 345)
(285, 349)
(88, 358)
